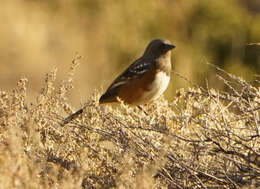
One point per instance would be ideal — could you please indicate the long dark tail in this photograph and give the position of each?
(72, 116)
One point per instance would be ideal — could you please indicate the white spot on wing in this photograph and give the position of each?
(118, 84)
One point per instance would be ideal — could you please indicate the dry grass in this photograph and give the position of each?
(204, 138)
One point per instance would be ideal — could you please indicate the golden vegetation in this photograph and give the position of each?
(203, 138)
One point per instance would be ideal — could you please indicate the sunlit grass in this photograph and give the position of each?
(193, 137)
(202, 138)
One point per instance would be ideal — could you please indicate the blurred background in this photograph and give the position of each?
(36, 36)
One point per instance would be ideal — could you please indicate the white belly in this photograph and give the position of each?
(157, 88)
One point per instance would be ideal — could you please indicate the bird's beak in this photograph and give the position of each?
(170, 46)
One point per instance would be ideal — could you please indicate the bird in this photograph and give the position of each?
(143, 81)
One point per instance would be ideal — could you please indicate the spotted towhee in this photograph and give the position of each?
(144, 80)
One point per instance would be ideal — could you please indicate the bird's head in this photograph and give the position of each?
(157, 48)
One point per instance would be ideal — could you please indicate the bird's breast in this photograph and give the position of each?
(157, 87)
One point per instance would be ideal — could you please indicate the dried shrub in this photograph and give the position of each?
(203, 138)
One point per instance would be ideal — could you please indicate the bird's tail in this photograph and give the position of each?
(72, 116)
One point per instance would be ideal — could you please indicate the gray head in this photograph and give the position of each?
(157, 47)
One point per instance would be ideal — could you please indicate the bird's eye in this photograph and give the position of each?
(161, 46)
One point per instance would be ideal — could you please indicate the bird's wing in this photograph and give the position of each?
(135, 70)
